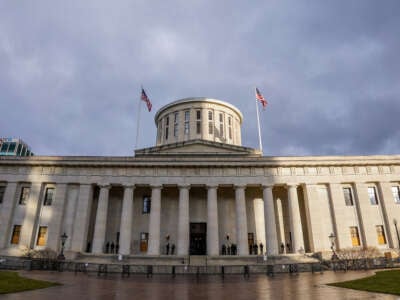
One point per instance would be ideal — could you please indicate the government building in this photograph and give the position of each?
(198, 191)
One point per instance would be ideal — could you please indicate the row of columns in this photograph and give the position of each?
(79, 229)
(183, 220)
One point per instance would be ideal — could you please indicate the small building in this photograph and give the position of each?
(14, 147)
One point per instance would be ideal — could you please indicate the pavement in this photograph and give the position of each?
(281, 286)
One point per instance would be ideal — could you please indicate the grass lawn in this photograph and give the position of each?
(387, 282)
(11, 282)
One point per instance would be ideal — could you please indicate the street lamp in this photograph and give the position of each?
(397, 233)
(332, 239)
(63, 239)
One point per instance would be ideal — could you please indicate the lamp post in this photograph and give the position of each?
(63, 239)
(332, 239)
(397, 233)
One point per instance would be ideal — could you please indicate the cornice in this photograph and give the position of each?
(200, 161)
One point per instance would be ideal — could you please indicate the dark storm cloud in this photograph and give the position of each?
(70, 73)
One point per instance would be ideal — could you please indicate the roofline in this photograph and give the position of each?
(198, 99)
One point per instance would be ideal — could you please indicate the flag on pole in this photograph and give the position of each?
(146, 99)
(261, 98)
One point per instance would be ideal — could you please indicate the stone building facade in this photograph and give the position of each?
(198, 191)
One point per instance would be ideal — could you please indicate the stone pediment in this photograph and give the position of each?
(198, 147)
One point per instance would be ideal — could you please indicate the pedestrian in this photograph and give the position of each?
(112, 247)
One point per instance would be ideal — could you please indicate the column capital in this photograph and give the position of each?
(10, 182)
(211, 186)
(385, 182)
(105, 186)
(129, 186)
(292, 185)
(156, 186)
(266, 186)
(240, 186)
(184, 186)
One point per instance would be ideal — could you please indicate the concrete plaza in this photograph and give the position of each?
(282, 286)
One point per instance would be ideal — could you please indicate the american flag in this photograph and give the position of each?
(146, 99)
(261, 98)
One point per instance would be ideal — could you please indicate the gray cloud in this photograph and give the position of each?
(70, 73)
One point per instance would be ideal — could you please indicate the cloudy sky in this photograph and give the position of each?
(70, 71)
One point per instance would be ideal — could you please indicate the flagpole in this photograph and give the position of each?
(258, 123)
(138, 121)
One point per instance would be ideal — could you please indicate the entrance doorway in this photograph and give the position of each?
(198, 238)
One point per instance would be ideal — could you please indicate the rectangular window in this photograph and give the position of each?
(348, 196)
(221, 125)
(23, 198)
(4, 147)
(198, 121)
(11, 148)
(176, 124)
(16, 234)
(380, 232)
(187, 122)
(144, 239)
(48, 197)
(355, 238)
(42, 236)
(159, 132)
(198, 127)
(396, 194)
(146, 204)
(372, 195)
(2, 191)
(19, 149)
(230, 127)
(166, 127)
(210, 128)
(210, 122)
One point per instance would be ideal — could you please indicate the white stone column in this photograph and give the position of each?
(295, 219)
(56, 218)
(183, 220)
(81, 222)
(212, 221)
(7, 212)
(241, 221)
(29, 226)
(271, 237)
(101, 220)
(126, 221)
(154, 224)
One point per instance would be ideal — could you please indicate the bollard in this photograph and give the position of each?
(126, 271)
(149, 271)
(102, 270)
(246, 272)
(270, 270)
(173, 272)
(293, 269)
(223, 271)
